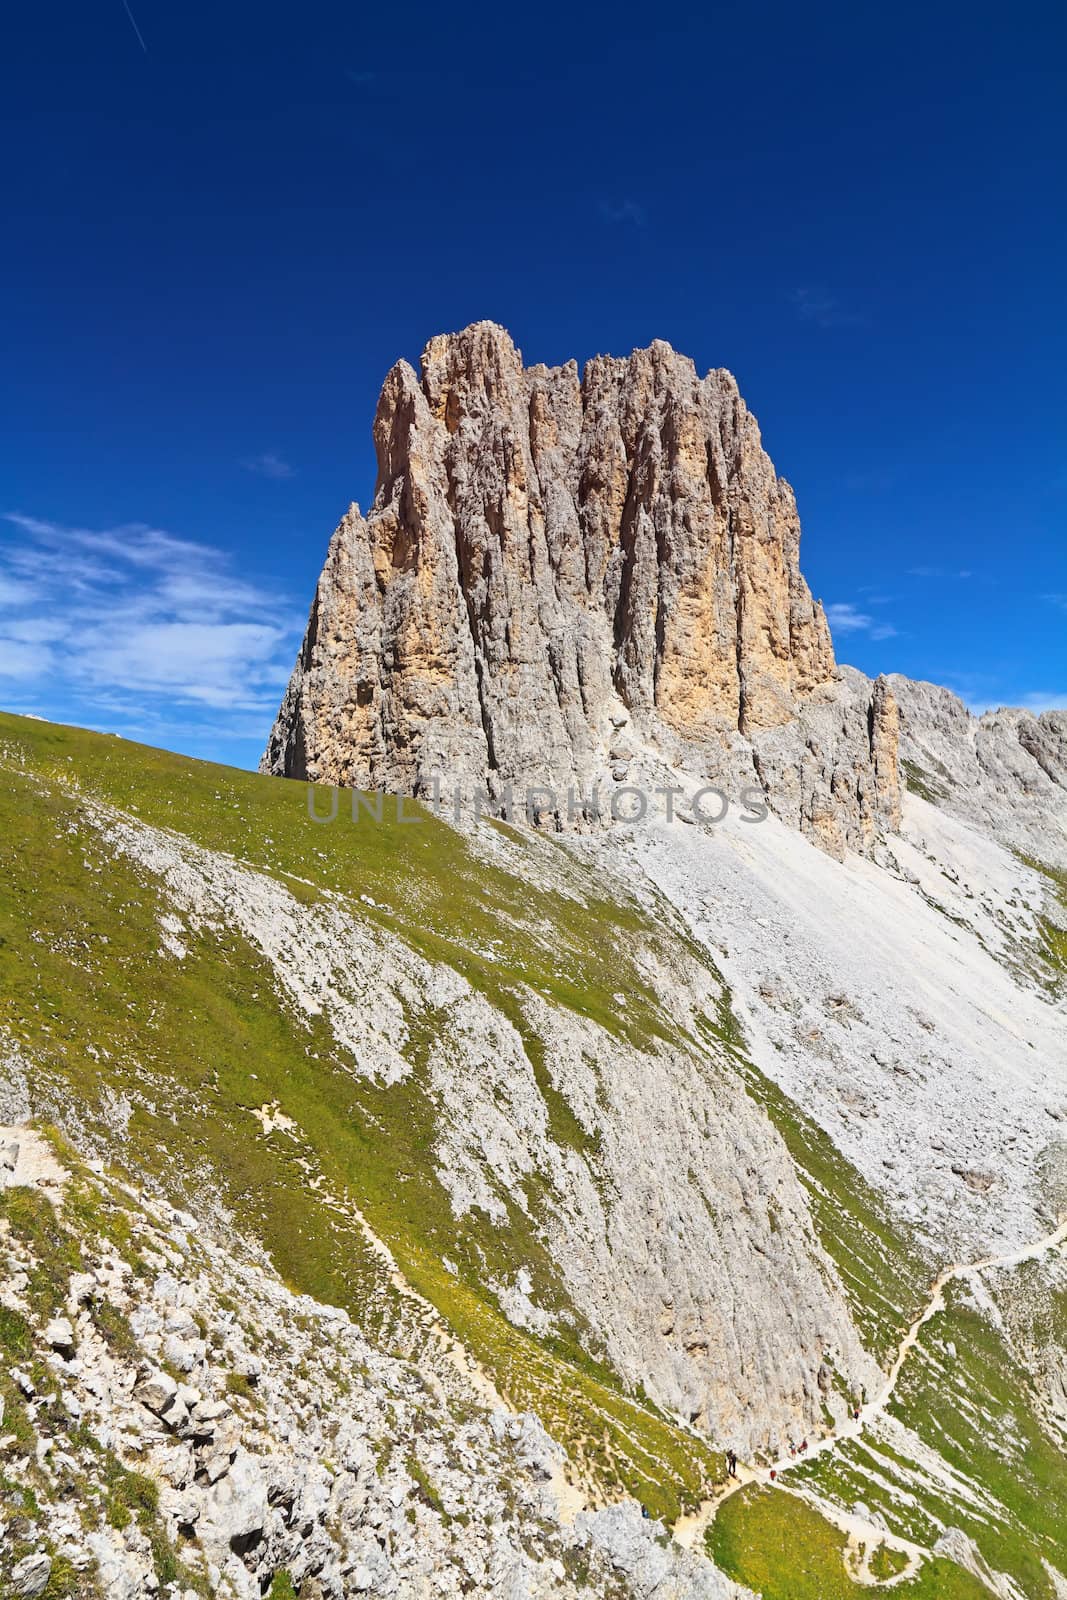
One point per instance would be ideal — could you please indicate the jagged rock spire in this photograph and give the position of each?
(552, 558)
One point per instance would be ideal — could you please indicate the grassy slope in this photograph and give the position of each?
(78, 963)
(965, 1394)
(197, 1044)
(783, 1549)
(976, 1408)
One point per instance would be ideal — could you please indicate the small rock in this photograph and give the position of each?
(82, 1289)
(215, 1467)
(59, 1335)
(247, 1366)
(157, 1391)
(29, 1577)
(980, 1182)
(9, 1160)
(71, 1404)
(235, 1511)
(209, 1412)
(178, 1354)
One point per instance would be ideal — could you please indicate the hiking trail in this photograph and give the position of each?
(863, 1536)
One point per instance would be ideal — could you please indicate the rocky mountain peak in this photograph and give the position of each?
(563, 572)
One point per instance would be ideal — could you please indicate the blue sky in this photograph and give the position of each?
(225, 223)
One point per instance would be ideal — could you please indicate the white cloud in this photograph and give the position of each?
(34, 630)
(844, 617)
(626, 210)
(14, 592)
(1044, 700)
(130, 623)
(23, 663)
(217, 664)
(268, 465)
(1037, 701)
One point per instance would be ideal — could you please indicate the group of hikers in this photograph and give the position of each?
(855, 1411)
(795, 1450)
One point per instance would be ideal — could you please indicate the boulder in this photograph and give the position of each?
(235, 1510)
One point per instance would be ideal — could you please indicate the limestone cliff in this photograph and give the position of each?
(561, 571)
(1004, 772)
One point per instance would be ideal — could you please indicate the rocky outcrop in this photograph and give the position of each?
(292, 1454)
(1004, 772)
(560, 571)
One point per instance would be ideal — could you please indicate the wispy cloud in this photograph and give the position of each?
(133, 25)
(1035, 701)
(844, 617)
(940, 572)
(624, 211)
(1045, 700)
(125, 625)
(268, 465)
(1057, 600)
(825, 310)
(985, 691)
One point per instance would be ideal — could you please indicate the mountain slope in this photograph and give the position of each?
(488, 1095)
(320, 1068)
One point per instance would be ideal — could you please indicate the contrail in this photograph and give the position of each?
(133, 25)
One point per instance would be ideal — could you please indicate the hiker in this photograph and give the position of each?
(792, 1449)
(803, 1446)
(774, 1474)
(731, 1463)
(646, 1513)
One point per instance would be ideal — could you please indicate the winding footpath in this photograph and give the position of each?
(863, 1536)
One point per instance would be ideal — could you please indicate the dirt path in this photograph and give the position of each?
(689, 1530)
(28, 1161)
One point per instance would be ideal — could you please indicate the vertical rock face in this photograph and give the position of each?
(558, 570)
